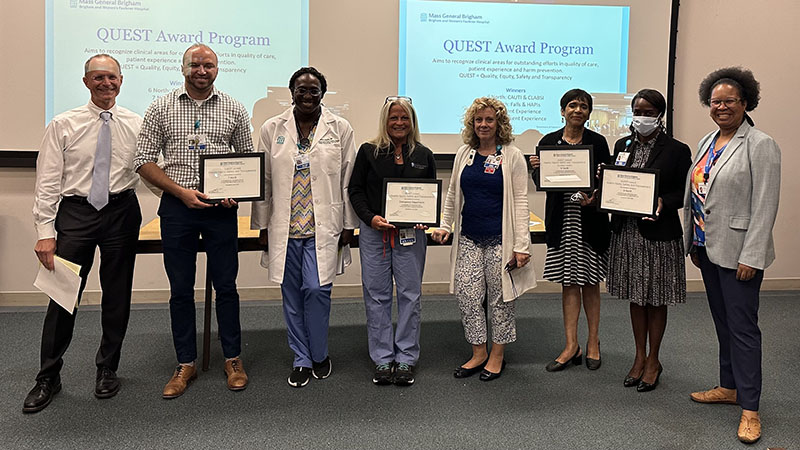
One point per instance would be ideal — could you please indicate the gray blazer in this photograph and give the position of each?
(742, 201)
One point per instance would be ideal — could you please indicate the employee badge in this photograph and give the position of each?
(702, 188)
(622, 158)
(408, 236)
(301, 161)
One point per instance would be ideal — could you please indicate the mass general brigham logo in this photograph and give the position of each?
(423, 17)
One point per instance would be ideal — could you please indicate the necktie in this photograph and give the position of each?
(98, 195)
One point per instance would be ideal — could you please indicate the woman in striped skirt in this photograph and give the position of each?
(577, 237)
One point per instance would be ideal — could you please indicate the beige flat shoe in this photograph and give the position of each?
(749, 429)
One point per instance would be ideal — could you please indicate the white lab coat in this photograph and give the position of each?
(331, 157)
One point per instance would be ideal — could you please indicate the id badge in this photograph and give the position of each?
(702, 188)
(622, 158)
(302, 161)
(490, 170)
(202, 141)
(408, 236)
(191, 141)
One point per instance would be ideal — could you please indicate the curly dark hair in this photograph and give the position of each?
(739, 77)
(312, 71)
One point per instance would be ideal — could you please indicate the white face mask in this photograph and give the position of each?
(645, 125)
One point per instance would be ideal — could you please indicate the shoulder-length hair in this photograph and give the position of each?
(503, 137)
(382, 141)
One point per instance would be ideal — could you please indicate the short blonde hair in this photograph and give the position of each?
(504, 136)
(382, 141)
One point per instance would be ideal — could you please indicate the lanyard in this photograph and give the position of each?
(712, 158)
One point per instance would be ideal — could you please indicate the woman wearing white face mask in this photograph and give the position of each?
(646, 257)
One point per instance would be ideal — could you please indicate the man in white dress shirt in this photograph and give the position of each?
(85, 198)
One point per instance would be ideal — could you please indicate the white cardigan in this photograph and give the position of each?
(516, 217)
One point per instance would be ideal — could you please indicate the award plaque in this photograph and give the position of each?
(565, 168)
(239, 176)
(411, 201)
(625, 190)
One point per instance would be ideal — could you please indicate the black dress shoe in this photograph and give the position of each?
(107, 384)
(555, 366)
(646, 387)
(463, 372)
(489, 376)
(593, 364)
(42, 394)
(629, 381)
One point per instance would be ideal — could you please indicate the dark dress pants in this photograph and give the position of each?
(181, 228)
(734, 307)
(80, 229)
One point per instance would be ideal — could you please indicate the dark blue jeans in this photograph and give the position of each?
(181, 229)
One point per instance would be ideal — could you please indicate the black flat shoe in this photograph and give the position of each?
(629, 381)
(555, 366)
(489, 376)
(463, 372)
(107, 384)
(647, 387)
(42, 394)
(593, 364)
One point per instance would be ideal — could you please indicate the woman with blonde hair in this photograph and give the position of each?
(386, 250)
(486, 208)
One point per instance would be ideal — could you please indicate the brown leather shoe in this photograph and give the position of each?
(237, 378)
(749, 429)
(714, 395)
(176, 385)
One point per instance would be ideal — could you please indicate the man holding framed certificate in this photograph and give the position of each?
(194, 120)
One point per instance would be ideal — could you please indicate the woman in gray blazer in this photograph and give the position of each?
(730, 205)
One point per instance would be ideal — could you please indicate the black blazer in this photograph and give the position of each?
(366, 183)
(595, 228)
(672, 158)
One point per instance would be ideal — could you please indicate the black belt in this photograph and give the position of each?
(112, 198)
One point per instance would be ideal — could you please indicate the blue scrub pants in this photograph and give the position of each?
(734, 307)
(405, 264)
(306, 304)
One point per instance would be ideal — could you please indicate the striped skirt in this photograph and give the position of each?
(574, 263)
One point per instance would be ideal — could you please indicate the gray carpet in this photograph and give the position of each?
(526, 408)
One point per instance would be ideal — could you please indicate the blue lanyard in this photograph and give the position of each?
(712, 157)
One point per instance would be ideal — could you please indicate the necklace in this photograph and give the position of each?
(398, 156)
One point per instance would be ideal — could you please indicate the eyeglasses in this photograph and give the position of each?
(716, 103)
(394, 98)
(314, 92)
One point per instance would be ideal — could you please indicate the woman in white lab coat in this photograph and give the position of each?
(306, 215)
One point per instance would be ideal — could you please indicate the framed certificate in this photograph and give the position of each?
(625, 190)
(239, 176)
(565, 168)
(409, 201)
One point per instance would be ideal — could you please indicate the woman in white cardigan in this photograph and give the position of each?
(486, 208)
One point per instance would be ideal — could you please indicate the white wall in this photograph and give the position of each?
(711, 33)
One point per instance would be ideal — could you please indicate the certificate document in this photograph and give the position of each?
(565, 168)
(239, 176)
(411, 201)
(624, 190)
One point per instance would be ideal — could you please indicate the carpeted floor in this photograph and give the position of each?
(526, 408)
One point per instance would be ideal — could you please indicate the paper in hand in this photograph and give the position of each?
(61, 284)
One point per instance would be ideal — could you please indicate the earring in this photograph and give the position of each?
(562, 119)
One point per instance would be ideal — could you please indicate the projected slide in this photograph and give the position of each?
(526, 55)
(260, 43)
